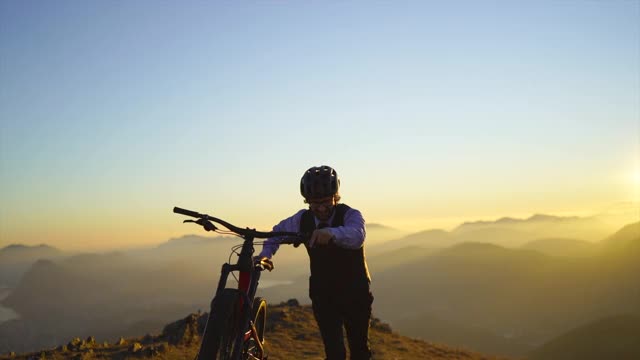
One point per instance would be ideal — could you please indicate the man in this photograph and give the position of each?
(339, 282)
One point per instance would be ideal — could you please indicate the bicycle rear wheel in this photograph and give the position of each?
(220, 332)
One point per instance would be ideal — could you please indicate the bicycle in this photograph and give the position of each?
(237, 319)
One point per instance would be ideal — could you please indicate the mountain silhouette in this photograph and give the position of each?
(511, 221)
(625, 238)
(541, 226)
(16, 259)
(562, 247)
(508, 232)
(500, 297)
(434, 238)
(379, 233)
(515, 294)
(616, 337)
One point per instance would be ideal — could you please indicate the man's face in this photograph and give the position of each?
(322, 208)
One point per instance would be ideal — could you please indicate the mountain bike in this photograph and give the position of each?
(237, 319)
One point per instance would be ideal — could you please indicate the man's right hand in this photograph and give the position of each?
(264, 261)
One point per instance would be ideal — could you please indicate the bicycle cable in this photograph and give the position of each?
(234, 250)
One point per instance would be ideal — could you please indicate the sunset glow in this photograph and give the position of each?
(111, 115)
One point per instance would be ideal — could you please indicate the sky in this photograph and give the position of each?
(112, 113)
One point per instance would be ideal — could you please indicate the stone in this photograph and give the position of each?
(135, 347)
(293, 302)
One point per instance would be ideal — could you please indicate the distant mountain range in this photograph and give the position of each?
(522, 295)
(16, 259)
(502, 283)
(532, 233)
(519, 231)
(17, 253)
(505, 300)
(511, 221)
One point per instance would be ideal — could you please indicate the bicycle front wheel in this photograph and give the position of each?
(259, 318)
(220, 332)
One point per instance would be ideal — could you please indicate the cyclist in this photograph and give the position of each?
(339, 283)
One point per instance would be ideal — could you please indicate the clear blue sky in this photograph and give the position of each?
(112, 112)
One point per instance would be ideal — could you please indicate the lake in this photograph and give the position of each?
(6, 313)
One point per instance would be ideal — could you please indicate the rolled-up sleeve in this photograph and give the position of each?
(290, 224)
(352, 234)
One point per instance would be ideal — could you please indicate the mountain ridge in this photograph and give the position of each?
(618, 338)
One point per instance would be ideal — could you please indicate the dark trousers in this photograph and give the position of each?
(350, 309)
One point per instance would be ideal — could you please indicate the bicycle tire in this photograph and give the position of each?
(219, 334)
(259, 318)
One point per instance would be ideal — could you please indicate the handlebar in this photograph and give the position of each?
(294, 238)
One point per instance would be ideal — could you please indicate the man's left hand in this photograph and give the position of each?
(321, 237)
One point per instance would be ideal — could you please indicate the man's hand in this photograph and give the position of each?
(264, 261)
(321, 237)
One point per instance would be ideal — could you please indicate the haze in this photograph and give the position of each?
(432, 113)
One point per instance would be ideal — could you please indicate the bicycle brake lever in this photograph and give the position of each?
(207, 225)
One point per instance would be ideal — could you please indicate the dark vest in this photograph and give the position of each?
(334, 267)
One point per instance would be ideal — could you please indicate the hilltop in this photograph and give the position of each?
(291, 334)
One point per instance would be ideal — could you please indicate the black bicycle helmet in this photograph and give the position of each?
(319, 182)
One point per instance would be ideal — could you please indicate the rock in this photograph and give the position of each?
(90, 342)
(202, 322)
(74, 344)
(293, 302)
(86, 355)
(163, 347)
(278, 315)
(151, 351)
(380, 326)
(183, 332)
(135, 347)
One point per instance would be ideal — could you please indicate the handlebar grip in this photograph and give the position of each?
(194, 214)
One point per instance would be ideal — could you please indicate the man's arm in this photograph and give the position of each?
(290, 224)
(352, 234)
